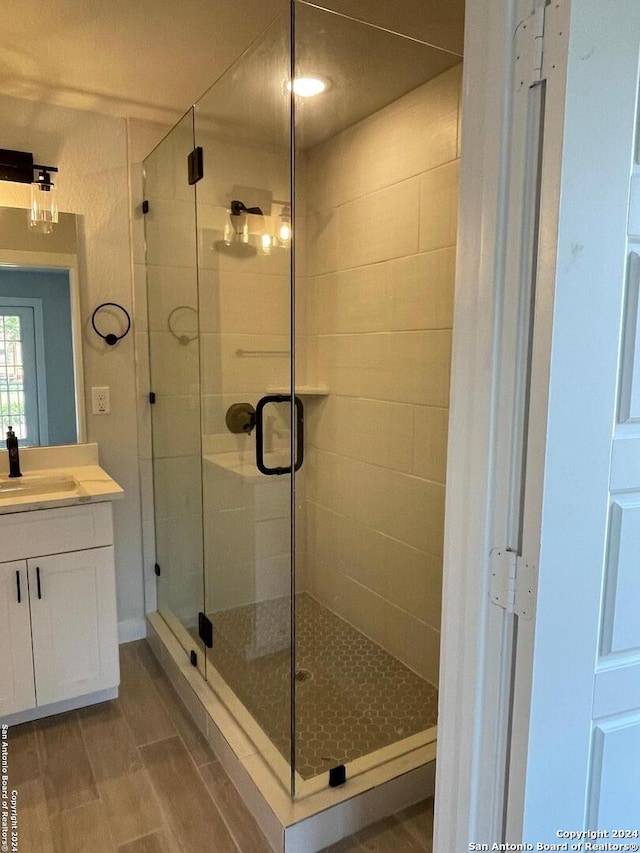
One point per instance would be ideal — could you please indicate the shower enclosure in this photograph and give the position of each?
(300, 266)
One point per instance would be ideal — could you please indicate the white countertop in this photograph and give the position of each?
(64, 486)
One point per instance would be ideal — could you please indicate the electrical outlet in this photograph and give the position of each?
(100, 401)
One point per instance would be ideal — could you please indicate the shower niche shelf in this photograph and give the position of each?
(302, 390)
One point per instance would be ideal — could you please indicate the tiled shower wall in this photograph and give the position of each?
(381, 214)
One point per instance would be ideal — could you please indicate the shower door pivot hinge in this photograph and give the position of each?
(195, 165)
(156, 569)
(145, 206)
(205, 630)
(193, 657)
(513, 583)
(152, 397)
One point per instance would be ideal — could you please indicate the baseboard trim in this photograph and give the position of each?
(60, 707)
(132, 629)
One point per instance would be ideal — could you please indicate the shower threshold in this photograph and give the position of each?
(378, 784)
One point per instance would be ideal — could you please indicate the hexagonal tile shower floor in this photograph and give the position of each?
(352, 696)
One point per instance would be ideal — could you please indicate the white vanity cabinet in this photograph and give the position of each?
(58, 631)
(17, 688)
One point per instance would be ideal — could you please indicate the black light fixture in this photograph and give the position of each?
(236, 228)
(18, 167)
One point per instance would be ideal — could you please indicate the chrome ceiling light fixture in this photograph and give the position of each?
(18, 167)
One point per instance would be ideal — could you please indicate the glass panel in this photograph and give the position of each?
(376, 178)
(170, 230)
(244, 236)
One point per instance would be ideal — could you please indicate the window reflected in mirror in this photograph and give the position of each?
(41, 382)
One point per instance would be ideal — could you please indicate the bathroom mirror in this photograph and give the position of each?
(41, 385)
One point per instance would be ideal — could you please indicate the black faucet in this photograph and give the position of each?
(14, 454)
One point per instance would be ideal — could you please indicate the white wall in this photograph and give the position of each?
(90, 151)
(381, 213)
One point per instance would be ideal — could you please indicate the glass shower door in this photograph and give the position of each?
(244, 301)
(170, 229)
(376, 185)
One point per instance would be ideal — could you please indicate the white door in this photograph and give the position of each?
(579, 768)
(74, 624)
(17, 691)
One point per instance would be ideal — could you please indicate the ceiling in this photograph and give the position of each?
(150, 59)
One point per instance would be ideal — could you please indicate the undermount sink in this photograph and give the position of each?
(37, 484)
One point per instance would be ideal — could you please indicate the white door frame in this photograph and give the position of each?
(478, 637)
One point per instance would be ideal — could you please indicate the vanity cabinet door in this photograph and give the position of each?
(74, 624)
(17, 691)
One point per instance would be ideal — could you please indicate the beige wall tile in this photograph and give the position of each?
(405, 367)
(273, 577)
(365, 555)
(406, 508)
(174, 368)
(409, 293)
(225, 371)
(254, 304)
(322, 241)
(170, 233)
(178, 491)
(370, 430)
(170, 287)
(422, 291)
(439, 207)
(430, 443)
(413, 134)
(407, 638)
(272, 537)
(379, 226)
(176, 425)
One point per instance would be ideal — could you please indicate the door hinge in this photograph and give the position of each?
(529, 45)
(157, 570)
(145, 206)
(195, 165)
(205, 630)
(513, 583)
(152, 397)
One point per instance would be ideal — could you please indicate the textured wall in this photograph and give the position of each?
(91, 153)
(381, 213)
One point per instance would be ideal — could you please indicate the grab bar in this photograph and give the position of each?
(245, 352)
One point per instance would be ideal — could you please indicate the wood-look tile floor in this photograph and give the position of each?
(136, 776)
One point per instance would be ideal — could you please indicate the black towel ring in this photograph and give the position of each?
(111, 339)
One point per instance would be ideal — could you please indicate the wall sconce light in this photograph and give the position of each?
(284, 232)
(248, 230)
(18, 167)
(236, 229)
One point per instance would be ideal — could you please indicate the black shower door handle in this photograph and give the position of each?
(279, 398)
